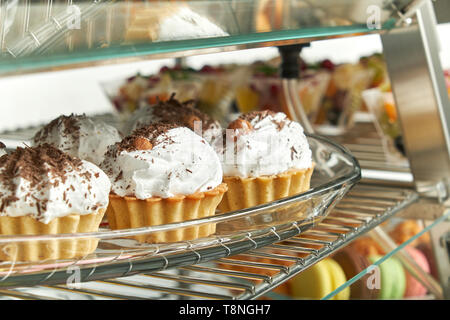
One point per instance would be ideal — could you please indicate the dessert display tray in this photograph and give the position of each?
(117, 255)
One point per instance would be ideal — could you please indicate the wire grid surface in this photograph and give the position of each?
(370, 149)
(247, 275)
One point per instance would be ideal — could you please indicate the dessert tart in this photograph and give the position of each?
(79, 136)
(160, 174)
(265, 157)
(46, 191)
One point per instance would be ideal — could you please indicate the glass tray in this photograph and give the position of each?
(118, 254)
(44, 35)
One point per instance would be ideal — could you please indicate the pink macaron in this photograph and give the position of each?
(413, 287)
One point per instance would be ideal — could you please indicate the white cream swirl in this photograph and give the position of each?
(79, 136)
(83, 189)
(273, 145)
(180, 162)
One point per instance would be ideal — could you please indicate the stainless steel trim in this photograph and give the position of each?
(421, 99)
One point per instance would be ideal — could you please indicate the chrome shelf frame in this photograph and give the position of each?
(254, 268)
(299, 251)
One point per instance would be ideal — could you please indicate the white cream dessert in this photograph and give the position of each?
(162, 160)
(265, 157)
(44, 183)
(79, 136)
(187, 24)
(45, 191)
(173, 111)
(169, 22)
(163, 173)
(264, 143)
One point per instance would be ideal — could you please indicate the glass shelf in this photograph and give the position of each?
(51, 35)
(386, 256)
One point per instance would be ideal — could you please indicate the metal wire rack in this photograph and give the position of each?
(252, 273)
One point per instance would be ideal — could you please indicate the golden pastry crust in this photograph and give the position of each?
(49, 249)
(130, 212)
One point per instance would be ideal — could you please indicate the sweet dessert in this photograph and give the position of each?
(319, 280)
(2, 149)
(380, 102)
(142, 90)
(393, 278)
(343, 95)
(173, 111)
(426, 249)
(163, 173)
(377, 64)
(265, 157)
(263, 90)
(268, 15)
(170, 22)
(352, 263)
(366, 246)
(79, 136)
(46, 191)
(407, 229)
(139, 90)
(219, 84)
(413, 287)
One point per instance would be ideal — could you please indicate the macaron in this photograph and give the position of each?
(319, 280)
(407, 229)
(413, 287)
(352, 263)
(367, 247)
(427, 251)
(338, 278)
(393, 278)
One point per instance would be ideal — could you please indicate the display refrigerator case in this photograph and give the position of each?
(354, 189)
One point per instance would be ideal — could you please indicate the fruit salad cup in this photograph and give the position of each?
(380, 103)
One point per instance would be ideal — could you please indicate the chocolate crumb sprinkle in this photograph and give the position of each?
(36, 165)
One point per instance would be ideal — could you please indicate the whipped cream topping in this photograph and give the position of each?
(46, 183)
(172, 111)
(162, 160)
(186, 24)
(79, 136)
(263, 143)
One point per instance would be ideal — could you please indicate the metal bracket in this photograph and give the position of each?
(421, 98)
(290, 70)
(441, 254)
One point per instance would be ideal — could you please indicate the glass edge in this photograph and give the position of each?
(175, 48)
(349, 282)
